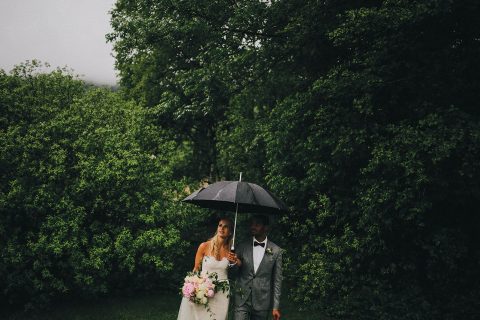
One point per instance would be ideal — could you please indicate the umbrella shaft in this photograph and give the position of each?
(235, 225)
(234, 229)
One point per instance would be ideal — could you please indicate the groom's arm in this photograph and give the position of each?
(277, 281)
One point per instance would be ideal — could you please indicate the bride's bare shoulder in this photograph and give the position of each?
(203, 246)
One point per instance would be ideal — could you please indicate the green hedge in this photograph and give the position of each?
(87, 201)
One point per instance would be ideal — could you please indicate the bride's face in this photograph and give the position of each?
(224, 229)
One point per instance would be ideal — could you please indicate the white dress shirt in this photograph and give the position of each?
(258, 253)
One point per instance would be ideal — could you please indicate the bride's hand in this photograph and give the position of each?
(233, 259)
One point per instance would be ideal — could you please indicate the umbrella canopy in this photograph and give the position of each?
(237, 196)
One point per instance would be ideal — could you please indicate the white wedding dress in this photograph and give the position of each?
(218, 303)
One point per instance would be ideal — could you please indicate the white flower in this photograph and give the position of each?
(203, 287)
(200, 294)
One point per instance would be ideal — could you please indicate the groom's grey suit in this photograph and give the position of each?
(257, 293)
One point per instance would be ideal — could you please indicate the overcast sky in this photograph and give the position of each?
(61, 32)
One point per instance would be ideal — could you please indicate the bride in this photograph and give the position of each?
(213, 255)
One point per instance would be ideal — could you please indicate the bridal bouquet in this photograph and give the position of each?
(199, 288)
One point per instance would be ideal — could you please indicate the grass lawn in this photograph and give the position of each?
(158, 307)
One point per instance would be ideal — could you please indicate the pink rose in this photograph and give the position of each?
(210, 293)
(187, 290)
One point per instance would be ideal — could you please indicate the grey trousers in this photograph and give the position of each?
(246, 312)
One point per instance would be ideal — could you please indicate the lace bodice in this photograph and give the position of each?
(210, 264)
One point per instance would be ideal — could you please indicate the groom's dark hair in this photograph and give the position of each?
(262, 219)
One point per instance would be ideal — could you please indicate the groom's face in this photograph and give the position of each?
(257, 228)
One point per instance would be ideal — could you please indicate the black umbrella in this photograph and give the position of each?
(238, 196)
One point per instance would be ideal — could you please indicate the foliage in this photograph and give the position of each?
(186, 60)
(385, 148)
(87, 202)
(361, 115)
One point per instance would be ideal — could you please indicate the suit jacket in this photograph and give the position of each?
(265, 285)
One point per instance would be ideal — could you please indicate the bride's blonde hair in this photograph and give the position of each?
(214, 244)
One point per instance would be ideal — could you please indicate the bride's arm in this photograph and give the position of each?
(199, 256)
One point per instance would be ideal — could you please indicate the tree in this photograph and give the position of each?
(87, 201)
(384, 154)
(186, 60)
(361, 115)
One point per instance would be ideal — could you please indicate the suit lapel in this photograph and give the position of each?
(264, 257)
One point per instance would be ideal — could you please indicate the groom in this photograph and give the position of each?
(258, 263)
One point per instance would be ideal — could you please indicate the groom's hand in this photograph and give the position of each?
(276, 314)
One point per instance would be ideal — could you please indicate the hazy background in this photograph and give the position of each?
(61, 32)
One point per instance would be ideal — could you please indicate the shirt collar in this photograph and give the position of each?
(264, 241)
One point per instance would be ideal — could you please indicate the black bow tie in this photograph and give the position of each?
(255, 243)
